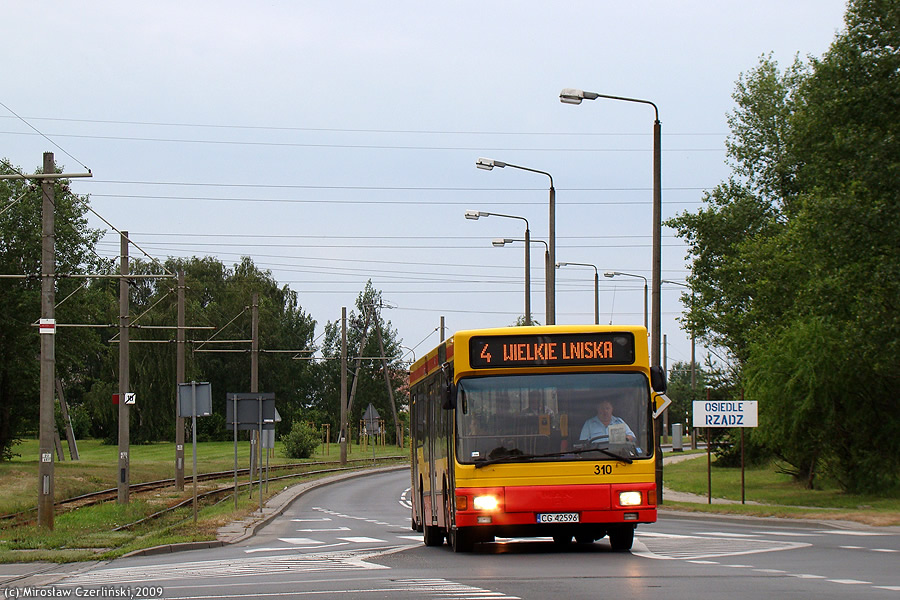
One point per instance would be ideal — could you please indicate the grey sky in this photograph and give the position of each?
(336, 141)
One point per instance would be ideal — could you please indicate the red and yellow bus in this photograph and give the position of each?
(512, 435)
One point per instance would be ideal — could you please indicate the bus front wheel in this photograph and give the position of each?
(432, 535)
(621, 538)
(461, 540)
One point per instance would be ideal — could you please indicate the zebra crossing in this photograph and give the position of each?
(327, 532)
(353, 560)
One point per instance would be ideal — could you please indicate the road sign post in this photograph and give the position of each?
(194, 400)
(253, 411)
(724, 413)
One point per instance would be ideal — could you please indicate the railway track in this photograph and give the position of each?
(224, 492)
(10, 520)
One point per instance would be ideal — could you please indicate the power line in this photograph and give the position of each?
(386, 188)
(350, 146)
(346, 130)
(370, 201)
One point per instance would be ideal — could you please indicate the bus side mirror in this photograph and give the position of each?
(658, 379)
(450, 391)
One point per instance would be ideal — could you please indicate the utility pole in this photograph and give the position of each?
(124, 366)
(67, 419)
(46, 421)
(362, 347)
(387, 380)
(343, 427)
(179, 376)
(48, 345)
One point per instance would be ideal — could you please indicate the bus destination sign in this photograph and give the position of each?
(561, 350)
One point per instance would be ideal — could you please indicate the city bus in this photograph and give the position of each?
(543, 431)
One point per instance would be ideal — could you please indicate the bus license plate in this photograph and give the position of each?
(558, 518)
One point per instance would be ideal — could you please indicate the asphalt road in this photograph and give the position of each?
(352, 539)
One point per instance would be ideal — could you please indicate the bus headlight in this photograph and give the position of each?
(485, 502)
(629, 498)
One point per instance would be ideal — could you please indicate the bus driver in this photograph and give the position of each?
(598, 426)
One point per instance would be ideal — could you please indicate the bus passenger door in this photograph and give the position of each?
(430, 447)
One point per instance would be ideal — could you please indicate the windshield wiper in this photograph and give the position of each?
(609, 453)
(527, 457)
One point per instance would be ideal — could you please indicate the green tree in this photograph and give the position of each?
(521, 322)
(740, 214)
(796, 259)
(217, 297)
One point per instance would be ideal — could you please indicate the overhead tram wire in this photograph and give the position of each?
(40, 133)
(436, 276)
(385, 262)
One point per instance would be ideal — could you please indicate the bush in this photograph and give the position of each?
(302, 441)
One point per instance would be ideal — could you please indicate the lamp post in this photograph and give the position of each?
(596, 286)
(573, 96)
(500, 242)
(615, 273)
(488, 164)
(475, 215)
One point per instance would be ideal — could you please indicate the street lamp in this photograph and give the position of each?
(500, 242)
(488, 164)
(573, 96)
(474, 215)
(615, 273)
(596, 286)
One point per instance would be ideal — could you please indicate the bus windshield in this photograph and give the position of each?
(553, 417)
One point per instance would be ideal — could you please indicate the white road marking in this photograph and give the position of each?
(707, 546)
(857, 533)
(292, 548)
(789, 533)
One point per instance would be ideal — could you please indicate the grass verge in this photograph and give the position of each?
(770, 493)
